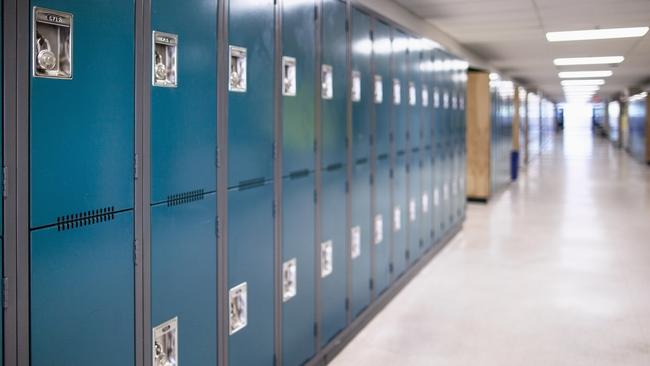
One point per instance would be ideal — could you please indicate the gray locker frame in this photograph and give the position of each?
(10, 283)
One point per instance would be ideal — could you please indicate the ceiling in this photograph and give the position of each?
(510, 35)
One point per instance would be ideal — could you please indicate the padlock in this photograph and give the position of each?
(46, 58)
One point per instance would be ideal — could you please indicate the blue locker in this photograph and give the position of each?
(360, 195)
(382, 133)
(438, 115)
(382, 223)
(183, 118)
(333, 317)
(82, 295)
(298, 313)
(81, 186)
(298, 225)
(183, 275)
(250, 262)
(426, 192)
(250, 109)
(333, 240)
(1, 204)
(400, 83)
(414, 137)
(361, 228)
(399, 215)
(334, 107)
(183, 181)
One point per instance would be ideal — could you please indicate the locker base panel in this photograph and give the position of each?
(336, 345)
(478, 199)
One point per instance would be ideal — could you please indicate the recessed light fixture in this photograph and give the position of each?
(585, 74)
(583, 35)
(583, 82)
(570, 61)
(582, 89)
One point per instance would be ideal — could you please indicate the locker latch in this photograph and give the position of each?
(397, 92)
(379, 229)
(289, 76)
(164, 59)
(289, 279)
(425, 96)
(355, 242)
(356, 86)
(397, 218)
(379, 90)
(412, 94)
(326, 257)
(327, 80)
(52, 44)
(237, 69)
(238, 307)
(165, 343)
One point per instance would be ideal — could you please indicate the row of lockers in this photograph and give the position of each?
(626, 123)
(224, 182)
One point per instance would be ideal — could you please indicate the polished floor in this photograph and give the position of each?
(554, 271)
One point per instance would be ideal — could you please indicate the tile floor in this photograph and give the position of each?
(554, 271)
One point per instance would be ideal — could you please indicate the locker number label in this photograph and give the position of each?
(238, 69)
(289, 81)
(165, 343)
(327, 81)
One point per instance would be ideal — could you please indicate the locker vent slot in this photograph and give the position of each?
(86, 218)
(361, 161)
(185, 197)
(333, 167)
(415, 149)
(401, 153)
(382, 157)
(299, 174)
(251, 183)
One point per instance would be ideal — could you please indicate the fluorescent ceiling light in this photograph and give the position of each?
(588, 60)
(581, 88)
(585, 74)
(583, 82)
(583, 35)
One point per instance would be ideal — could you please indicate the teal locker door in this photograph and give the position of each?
(183, 275)
(2, 205)
(426, 154)
(437, 147)
(298, 313)
(414, 101)
(333, 243)
(298, 162)
(360, 194)
(399, 220)
(183, 179)
(81, 183)
(382, 137)
(82, 294)
(250, 275)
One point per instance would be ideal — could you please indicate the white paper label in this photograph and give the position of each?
(397, 219)
(238, 305)
(355, 234)
(379, 229)
(413, 215)
(165, 343)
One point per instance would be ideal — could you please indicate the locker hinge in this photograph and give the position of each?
(4, 181)
(275, 359)
(347, 303)
(315, 329)
(274, 208)
(372, 179)
(391, 268)
(217, 158)
(372, 284)
(315, 197)
(315, 146)
(5, 292)
(347, 187)
(372, 140)
(391, 137)
(315, 12)
(391, 173)
(275, 151)
(407, 254)
(136, 167)
(217, 228)
(347, 25)
(372, 35)
(136, 249)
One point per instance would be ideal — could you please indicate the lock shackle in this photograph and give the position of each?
(40, 40)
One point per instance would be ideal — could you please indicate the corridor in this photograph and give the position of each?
(554, 271)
